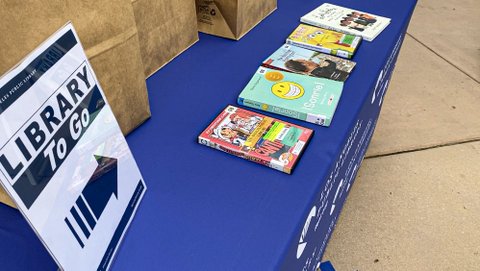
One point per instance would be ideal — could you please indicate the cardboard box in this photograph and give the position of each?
(108, 33)
(165, 29)
(232, 18)
(4, 198)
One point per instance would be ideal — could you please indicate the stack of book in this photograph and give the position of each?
(303, 79)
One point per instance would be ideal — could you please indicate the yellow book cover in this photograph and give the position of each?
(325, 41)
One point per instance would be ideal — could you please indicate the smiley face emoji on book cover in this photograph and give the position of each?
(294, 95)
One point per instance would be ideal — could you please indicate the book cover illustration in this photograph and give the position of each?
(324, 41)
(300, 60)
(294, 95)
(347, 20)
(258, 138)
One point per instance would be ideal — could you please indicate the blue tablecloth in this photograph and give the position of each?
(207, 210)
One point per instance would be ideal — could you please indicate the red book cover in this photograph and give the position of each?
(255, 137)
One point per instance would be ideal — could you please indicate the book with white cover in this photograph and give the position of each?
(347, 20)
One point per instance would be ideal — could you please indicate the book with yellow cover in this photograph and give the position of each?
(324, 41)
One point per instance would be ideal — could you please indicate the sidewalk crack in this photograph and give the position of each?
(425, 148)
(448, 61)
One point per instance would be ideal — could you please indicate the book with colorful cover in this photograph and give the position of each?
(258, 138)
(324, 41)
(303, 61)
(347, 20)
(294, 95)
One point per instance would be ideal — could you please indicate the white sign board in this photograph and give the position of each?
(63, 158)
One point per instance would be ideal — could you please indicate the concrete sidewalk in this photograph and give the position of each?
(416, 202)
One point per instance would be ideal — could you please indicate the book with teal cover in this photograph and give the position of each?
(294, 95)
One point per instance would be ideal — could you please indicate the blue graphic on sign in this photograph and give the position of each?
(94, 197)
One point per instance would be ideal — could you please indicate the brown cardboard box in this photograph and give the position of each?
(5, 198)
(109, 36)
(232, 18)
(165, 29)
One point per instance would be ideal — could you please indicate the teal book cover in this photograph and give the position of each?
(294, 95)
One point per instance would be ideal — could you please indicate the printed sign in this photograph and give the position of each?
(63, 158)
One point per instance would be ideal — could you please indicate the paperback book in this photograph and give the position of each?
(258, 138)
(347, 20)
(294, 95)
(303, 61)
(324, 41)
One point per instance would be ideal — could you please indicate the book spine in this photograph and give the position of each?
(346, 31)
(334, 52)
(206, 142)
(310, 47)
(246, 156)
(275, 68)
(342, 53)
(324, 26)
(273, 109)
